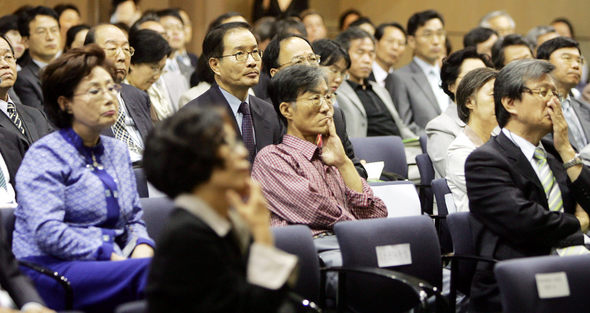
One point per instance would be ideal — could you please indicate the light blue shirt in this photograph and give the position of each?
(234, 104)
(432, 73)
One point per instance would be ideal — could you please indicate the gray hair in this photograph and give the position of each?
(485, 21)
(511, 81)
(536, 32)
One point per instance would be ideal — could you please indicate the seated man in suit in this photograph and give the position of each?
(510, 48)
(564, 54)
(390, 44)
(415, 88)
(234, 58)
(39, 28)
(367, 106)
(134, 122)
(12, 151)
(308, 179)
(28, 123)
(526, 198)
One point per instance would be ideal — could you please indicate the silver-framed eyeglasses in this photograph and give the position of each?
(242, 56)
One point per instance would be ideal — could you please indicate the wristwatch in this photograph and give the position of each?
(573, 162)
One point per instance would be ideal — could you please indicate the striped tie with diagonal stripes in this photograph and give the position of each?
(548, 180)
(121, 133)
(13, 116)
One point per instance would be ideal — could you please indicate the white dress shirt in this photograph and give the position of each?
(7, 195)
(380, 74)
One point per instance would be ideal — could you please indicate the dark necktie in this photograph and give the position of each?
(247, 132)
(14, 117)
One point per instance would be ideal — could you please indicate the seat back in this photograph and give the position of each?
(389, 149)
(426, 176)
(521, 286)
(360, 242)
(141, 181)
(400, 197)
(423, 140)
(298, 240)
(8, 219)
(460, 229)
(155, 214)
(442, 193)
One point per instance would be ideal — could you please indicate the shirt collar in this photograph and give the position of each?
(379, 73)
(220, 225)
(233, 101)
(4, 104)
(427, 68)
(40, 64)
(527, 148)
(306, 148)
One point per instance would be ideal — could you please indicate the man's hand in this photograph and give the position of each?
(582, 218)
(254, 211)
(142, 251)
(332, 149)
(560, 135)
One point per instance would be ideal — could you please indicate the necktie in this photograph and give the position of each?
(121, 133)
(548, 180)
(13, 115)
(2, 181)
(247, 131)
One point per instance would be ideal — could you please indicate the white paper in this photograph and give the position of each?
(374, 169)
(393, 255)
(552, 285)
(450, 202)
(269, 267)
(400, 199)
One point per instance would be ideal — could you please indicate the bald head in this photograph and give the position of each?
(115, 44)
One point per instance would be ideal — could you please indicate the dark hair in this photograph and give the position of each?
(330, 52)
(506, 41)
(149, 16)
(477, 36)
(566, 22)
(270, 57)
(9, 44)
(62, 7)
(511, 81)
(172, 12)
(352, 33)
(29, 15)
(213, 43)
(8, 23)
(182, 150)
(71, 35)
(150, 47)
(286, 25)
(122, 26)
(548, 47)
(219, 20)
(291, 82)
(345, 14)
(63, 75)
(451, 67)
(360, 21)
(420, 18)
(471, 84)
(380, 30)
(202, 73)
(264, 28)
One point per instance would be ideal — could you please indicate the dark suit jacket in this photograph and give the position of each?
(195, 270)
(413, 97)
(34, 121)
(510, 217)
(28, 86)
(137, 103)
(12, 148)
(264, 118)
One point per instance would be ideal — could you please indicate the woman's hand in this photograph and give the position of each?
(142, 251)
(116, 257)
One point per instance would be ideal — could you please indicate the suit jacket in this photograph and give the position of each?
(28, 86)
(441, 131)
(18, 285)
(137, 103)
(411, 93)
(195, 270)
(264, 118)
(355, 114)
(34, 121)
(582, 110)
(510, 217)
(12, 148)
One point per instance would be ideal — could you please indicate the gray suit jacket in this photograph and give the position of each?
(28, 86)
(441, 131)
(411, 93)
(34, 121)
(354, 111)
(582, 110)
(137, 103)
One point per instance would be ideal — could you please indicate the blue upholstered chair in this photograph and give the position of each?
(389, 149)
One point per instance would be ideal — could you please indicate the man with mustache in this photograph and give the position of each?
(233, 56)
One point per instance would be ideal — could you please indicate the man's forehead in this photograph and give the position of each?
(45, 20)
(243, 34)
(544, 81)
(294, 47)
(566, 50)
(432, 24)
(110, 33)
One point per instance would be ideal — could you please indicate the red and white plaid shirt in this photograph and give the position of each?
(301, 189)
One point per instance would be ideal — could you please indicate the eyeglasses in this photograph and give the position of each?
(94, 92)
(311, 59)
(544, 93)
(112, 50)
(571, 58)
(430, 35)
(242, 56)
(318, 99)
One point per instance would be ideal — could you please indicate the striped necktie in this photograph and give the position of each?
(3, 181)
(548, 180)
(14, 117)
(247, 131)
(121, 133)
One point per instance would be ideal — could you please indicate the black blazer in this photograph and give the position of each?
(195, 270)
(266, 123)
(12, 148)
(28, 86)
(510, 217)
(137, 103)
(34, 121)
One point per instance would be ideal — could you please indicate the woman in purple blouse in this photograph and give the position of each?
(78, 205)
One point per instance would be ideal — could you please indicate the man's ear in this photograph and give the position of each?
(64, 104)
(273, 71)
(287, 110)
(509, 105)
(214, 65)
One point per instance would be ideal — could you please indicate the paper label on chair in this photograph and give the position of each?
(450, 202)
(552, 285)
(393, 255)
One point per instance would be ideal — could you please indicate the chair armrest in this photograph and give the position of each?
(62, 280)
